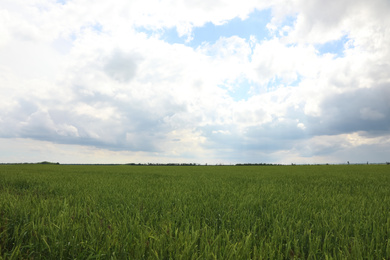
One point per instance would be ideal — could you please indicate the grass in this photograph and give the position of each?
(199, 212)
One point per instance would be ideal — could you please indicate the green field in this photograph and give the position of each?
(194, 212)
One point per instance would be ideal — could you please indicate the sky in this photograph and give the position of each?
(195, 81)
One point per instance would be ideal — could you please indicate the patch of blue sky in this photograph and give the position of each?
(243, 89)
(62, 2)
(296, 82)
(333, 47)
(170, 35)
(254, 24)
(275, 83)
(97, 27)
(240, 90)
(288, 22)
(280, 82)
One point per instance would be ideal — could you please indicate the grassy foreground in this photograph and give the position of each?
(200, 212)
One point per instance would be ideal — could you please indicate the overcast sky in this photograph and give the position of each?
(284, 81)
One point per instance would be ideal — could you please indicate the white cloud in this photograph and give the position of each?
(4, 30)
(84, 73)
(273, 60)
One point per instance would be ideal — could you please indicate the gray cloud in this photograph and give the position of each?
(122, 66)
(366, 109)
(267, 137)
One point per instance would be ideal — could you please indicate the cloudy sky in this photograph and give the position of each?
(225, 81)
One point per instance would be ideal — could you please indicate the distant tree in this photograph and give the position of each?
(46, 162)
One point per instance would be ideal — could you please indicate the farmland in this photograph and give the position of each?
(194, 212)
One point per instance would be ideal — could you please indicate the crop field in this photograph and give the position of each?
(194, 212)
